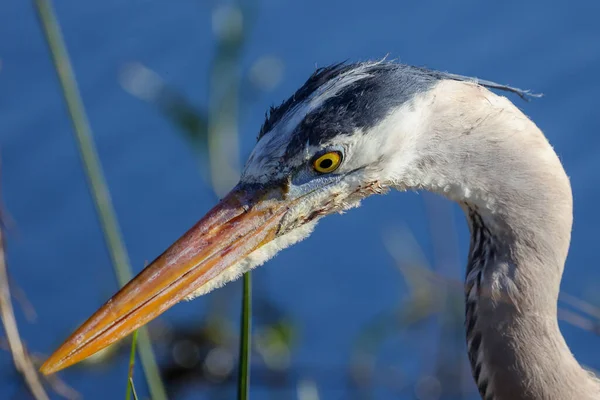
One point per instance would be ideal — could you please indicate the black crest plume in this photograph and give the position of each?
(318, 78)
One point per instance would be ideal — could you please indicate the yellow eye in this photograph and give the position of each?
(328, 162)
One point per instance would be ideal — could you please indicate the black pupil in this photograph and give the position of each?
(326, 163)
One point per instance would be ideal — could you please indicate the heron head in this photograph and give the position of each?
(333, 143)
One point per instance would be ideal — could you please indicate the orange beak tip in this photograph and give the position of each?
(59, 361)
(241, 223)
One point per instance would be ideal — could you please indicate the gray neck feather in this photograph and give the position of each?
(482, 152)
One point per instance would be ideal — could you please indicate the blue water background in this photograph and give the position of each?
(340, 278)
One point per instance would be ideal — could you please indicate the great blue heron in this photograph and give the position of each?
(353, 130)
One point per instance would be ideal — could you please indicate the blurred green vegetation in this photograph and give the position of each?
(97, 184)
(212, 134)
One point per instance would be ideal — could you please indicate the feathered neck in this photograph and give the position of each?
(478, 149)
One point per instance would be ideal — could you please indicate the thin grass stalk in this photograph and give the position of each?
(96, 181)
(135, 396)
(223, 152)
(245, 326)
(130, 386)
(21, 358)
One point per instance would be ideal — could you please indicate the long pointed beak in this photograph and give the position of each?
(242, 222)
